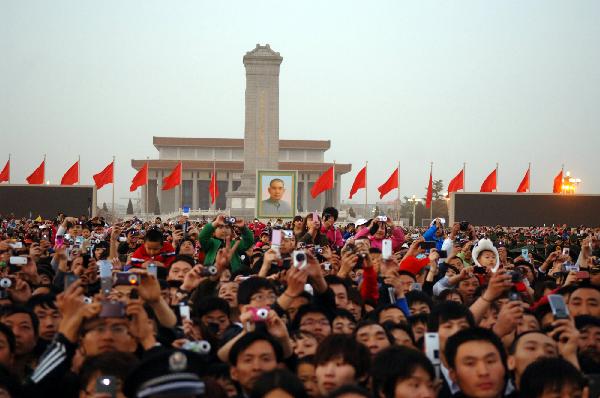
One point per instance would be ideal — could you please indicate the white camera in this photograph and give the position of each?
(299, 258)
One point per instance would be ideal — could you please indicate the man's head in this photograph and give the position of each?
(401, 372)
(111, 364)
(251, 356)
(314, 319)
(448, 318)
(477, 362)
(589, 339)
(552, 377)
(100, 335)
(340, 290)
(340, 360)
(180, 267)
(527, 348)
(343, 322)
(276, 189)
(213, 312)
(24, 325)
(418, 302)
(585, 300)
(373, 335)
(44, 307)
(153, 242)
(256, 292)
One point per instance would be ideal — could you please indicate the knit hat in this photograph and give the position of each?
(485, 244)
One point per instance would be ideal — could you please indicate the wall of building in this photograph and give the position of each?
(199, 153)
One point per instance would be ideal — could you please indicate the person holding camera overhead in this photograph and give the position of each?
(222, 233)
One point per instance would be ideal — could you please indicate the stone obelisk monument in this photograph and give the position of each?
(261, 130)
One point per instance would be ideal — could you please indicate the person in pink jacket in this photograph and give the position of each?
(334, 235)
(379, 230)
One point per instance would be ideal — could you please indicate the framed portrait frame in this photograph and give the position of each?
(270, 202)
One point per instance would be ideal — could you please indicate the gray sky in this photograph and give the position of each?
(451, 82)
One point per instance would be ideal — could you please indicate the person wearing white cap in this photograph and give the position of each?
(486, 255)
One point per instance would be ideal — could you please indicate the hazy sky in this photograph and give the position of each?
(386, 81)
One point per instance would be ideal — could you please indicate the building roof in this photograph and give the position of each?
(236, 143)
(236, 166)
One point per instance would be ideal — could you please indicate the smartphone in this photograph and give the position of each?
(105, 268)
(16, 245)
(184, 311)
(525, 253)
(106, 385)
(582, 275)
(18, 260)
(558, 306)
(432, 347)
(392, 294)
(186, 226)
(565, 251)
(69, 279)
(386, 249)
(112, 309)
(514, 296)
(152, 269)
(276, 238)
(427, 245)
(416, 286)
(315, 216)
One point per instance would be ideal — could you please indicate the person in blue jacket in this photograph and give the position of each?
(435, 233)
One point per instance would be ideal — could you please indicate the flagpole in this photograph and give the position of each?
(366, 189)
(79, 169)
(464, 177)
(431, 175)
(398, 208)
(147, 183)
(496, 177)
(113, 191)
(529, 187)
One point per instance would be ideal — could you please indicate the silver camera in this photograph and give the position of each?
(199, 346)
(299, 258)
(5, 283)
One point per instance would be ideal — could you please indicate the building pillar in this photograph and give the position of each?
(195, 190)
(144, 202)
(159, 183)
(305, 193)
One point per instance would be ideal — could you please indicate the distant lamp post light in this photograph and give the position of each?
(47, 182)
(414, 201)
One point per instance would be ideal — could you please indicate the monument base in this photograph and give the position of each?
(242, 204)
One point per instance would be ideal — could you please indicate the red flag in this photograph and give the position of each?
(5, 174)
(558, 182)
(524, 185)
(173, 179)
(106, 176)
(390, 184)
(213, 189)
(457, 182)
(37, 177)
(490, 183)
(140, 179)
(359, 182)
(71, 176)
(429, 192)
(324, 183)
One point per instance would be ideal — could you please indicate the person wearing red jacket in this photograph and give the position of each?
(153, 249)
(256, 227)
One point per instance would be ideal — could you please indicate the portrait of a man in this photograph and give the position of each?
(276, 192)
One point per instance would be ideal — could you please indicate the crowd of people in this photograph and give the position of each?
(302, 308)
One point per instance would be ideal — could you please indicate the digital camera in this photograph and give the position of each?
(299, 258)
(209, 271)
(259, 314)
(229, 220)
(198, 346)
(127, 279)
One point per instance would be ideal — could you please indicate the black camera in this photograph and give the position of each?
(516, 276)
(209, 271)
(318, 250)
(230, 220)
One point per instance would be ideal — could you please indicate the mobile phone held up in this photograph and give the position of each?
(386, 249)
(558, 306)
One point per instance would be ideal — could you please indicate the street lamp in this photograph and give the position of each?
(570, 184)
(414, 201)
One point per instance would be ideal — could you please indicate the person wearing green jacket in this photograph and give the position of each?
(214, 235)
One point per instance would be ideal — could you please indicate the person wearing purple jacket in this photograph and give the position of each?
(334, 235)
(378, 230)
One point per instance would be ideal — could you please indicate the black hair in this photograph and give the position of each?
(47, 301)
(377, 312)
(209, 304)
(332, 211)
(250, 338)
(310, 308)
(116, 364)
(369, 322)
(513, 346)
(395, 364)
(278, 379)
(415, 296)
(390, 326)
(336, 280)
(583, 321)
(407, 273)
(348, 349)
(418, 318)
(154, 235)
(349, 389)
(448, 310)
(343, 313)
(9, 310)
(549, 374)
(443, 296)
(10, 336)
(472, 334)
(185, 258)
(251, 286)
